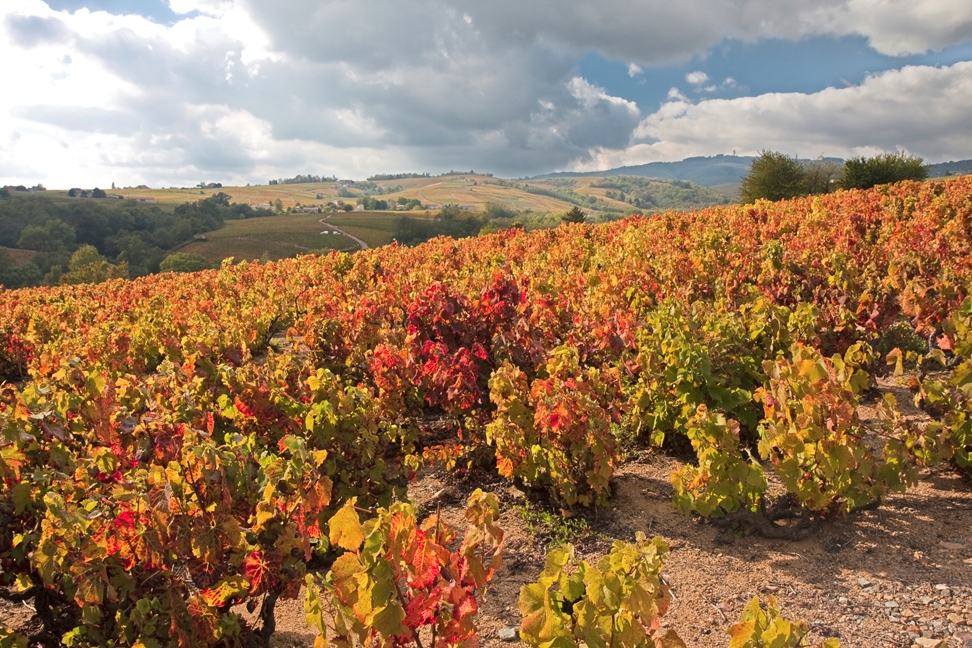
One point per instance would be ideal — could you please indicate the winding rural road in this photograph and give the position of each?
(335, 228)
(421, 192)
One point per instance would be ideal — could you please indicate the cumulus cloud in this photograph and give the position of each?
(896, 27)
(919, 109)
(696, 78)
(250, 89)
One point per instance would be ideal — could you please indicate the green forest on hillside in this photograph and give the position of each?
(122, 231)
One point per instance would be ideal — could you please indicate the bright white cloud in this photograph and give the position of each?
(696, 78)
(896, 27)
(919, 109)
(634, 70)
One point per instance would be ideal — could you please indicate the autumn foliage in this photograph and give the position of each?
(175, 448)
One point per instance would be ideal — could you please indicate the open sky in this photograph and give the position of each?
(174, 92)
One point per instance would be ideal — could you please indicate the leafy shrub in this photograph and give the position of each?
(555, 433)
(398, 577)
(619, 602)
(705, 354)
(815, 439)
(772, 176)
(724, 479)
(864, 173)
(761, 628)
(949, 438)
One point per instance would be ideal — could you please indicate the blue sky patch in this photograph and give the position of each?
(157, 10)
(806, 66)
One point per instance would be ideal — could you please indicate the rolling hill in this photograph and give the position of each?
(722, 170)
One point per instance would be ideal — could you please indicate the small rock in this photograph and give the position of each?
(963, 636)
(941, 587)
(951, 546)
(956, 619)
(925, 600)
(507, 634)
(842, 600)
(863, 582)
(926, 642)
(445, 493)
(891, 604)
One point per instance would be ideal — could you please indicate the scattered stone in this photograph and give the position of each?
(951, 546)
(863, 582)
(956, 619)
(446, 493)
(926, 642)
(891, 604)
(942, 587)
(507, 634)
(842, 600)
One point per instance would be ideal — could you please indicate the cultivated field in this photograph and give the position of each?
(271, 237)
(472, 190)
(17, 257)
(374, 228)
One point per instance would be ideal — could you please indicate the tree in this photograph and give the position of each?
(449, 212)
(773, 176)
(575, 215)
(821, 176)
(53, 236)
(98, 193)
(864, 173)
(22, 276)
(4, 193)
(499, 210)
(184, 262)
(88, 266)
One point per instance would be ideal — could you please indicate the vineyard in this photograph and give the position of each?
(179, 453)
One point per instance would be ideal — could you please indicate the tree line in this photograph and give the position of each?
(76, 241)
(777, 176)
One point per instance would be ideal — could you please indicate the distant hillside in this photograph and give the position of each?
(706, 171)
(962, 167)
(723, 170)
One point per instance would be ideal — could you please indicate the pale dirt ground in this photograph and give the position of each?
(842, 581)
(874, 579)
